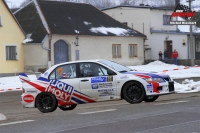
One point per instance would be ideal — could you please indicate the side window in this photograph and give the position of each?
(1, 21)
(116, 50)
(11, 52)
(64, 72)
(166, 19)
(92, 70)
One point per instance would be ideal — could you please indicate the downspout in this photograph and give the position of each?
(49, 62)
(188, 49)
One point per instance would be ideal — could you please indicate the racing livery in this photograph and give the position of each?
(67, 84)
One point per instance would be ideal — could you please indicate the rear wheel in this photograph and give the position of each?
(133, 92)
(68, 107)
(151, 98)
(46, 102)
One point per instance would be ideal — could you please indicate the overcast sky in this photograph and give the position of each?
(11, 3)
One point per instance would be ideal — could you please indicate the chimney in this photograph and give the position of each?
(177, 2)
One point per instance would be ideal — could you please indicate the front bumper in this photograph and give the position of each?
(163, 89)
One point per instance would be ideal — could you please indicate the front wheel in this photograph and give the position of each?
(133, 92)
(68, 107)
(46, 102)
(151, 98)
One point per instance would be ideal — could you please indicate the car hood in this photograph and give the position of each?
(146, 73)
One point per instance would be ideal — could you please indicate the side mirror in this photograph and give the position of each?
(110, 72)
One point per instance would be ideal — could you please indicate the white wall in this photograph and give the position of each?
(92, 47)
(157, 20)
(157, 41)
(136, 18)
(35, 57)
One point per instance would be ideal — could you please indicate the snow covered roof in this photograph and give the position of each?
(68, 18)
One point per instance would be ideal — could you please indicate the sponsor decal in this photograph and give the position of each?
(94, 86)
(109, 78)
(105, 85)
(60, 89)
(31, 91)
(28, 98)
(184, 12)
(124, 77)
(98, 79)
(106, 92)
(46, 74)
(149, 88)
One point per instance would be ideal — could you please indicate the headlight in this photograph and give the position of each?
(158, 79)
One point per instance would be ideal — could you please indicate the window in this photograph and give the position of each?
(64, 72)
(166, 19)
(116, 50)
(132, 50)
(11, 53)
(92, 69)
(1, 21)
(198, 47)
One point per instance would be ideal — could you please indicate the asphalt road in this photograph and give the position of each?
(175, 113)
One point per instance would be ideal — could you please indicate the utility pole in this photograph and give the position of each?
(191, 39)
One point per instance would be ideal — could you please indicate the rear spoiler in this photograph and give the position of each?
(23, 77)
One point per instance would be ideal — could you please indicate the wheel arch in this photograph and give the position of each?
(127, 83)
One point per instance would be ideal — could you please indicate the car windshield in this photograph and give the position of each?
(115, 66)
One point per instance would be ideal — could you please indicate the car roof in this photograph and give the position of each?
(70, 62)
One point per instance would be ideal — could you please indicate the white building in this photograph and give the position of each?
(154, 23)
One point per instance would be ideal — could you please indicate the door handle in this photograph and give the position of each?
(84, 80)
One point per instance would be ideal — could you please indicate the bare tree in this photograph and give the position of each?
(129, 2)
(100, 3)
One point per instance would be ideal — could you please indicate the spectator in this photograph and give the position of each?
(174, 56)
(160, 56)
(166, 56)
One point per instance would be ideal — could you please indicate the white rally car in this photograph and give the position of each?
(68, 84)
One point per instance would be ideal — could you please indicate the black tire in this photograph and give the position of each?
(46, 102)
(68, 107)
(151, 98)
(133, 92)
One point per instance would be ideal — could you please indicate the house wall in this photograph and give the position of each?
(156, 20)
(137, 18)
(158, 41)
(10, 34)
(101, 48)
(35, 57)
(90, 47)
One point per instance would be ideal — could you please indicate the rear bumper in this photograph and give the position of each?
(28, 104)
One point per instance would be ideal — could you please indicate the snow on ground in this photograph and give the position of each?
(13, 82)
(175, 72)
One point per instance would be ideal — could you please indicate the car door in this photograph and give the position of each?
(95, 81)
(65, 78)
